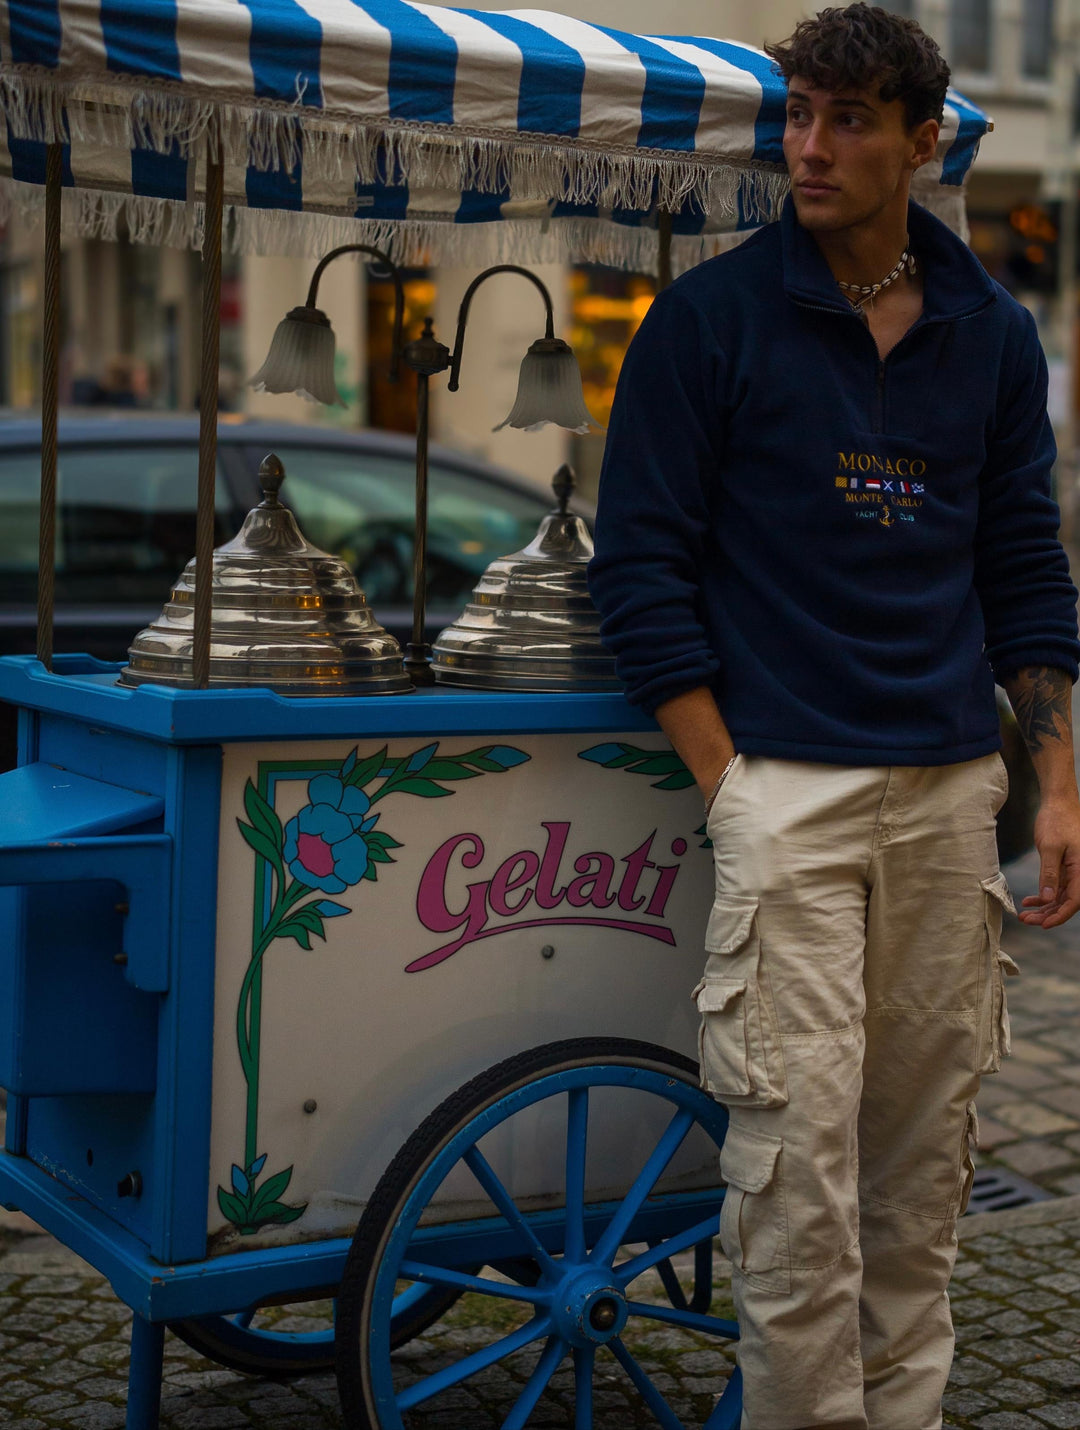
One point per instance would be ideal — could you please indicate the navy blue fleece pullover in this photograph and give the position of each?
(846, 550)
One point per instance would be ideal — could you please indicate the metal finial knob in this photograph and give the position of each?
(563, 483)
(271, 476)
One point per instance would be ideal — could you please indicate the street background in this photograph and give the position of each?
(130, 338)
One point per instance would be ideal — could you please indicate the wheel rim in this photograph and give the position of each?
(584, 1298)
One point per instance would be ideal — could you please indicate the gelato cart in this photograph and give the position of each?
(328, 972)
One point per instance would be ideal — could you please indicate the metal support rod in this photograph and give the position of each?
(416, 656)
(663, 252)
(463, 313)
(208, 403)
(381, 260)
(426, 356)
(50, 406)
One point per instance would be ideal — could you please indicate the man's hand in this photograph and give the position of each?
(1057, 838)
(1041, 698)
(698, 735)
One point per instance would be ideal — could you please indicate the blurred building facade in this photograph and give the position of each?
(131, 315)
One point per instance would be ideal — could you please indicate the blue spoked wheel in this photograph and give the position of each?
(282, 1342)
(560, 1265)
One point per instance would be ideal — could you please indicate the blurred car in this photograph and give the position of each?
(126, 520)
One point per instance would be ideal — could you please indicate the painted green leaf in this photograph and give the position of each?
(663, 762)
(308, 917)
(706, 842)
(681, 779)
(365, 770)
(620, 756)
(450, 770)
(232, 1208)
(261, 844)
(627, 756)
(262, 815)
(416, 784)
(277, 1213)
(271, 1189)
(296, 931)
(370, 873)
(382, 839)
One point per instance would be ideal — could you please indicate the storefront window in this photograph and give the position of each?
(1037, 21)
(607, 307)
(969, 36)
(391, 406)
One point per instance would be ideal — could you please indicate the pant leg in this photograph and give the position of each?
(933, 989)
(782, 1046)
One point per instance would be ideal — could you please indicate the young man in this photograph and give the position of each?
(825, 526)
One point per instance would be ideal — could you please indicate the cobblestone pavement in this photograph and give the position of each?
(63, 1335)
(63, 1340)
(1029, 1112)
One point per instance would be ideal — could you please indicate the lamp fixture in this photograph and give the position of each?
(302, 350)
(301, 359)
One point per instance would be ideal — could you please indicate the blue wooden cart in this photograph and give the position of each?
(456, 1056)
(484, 1060)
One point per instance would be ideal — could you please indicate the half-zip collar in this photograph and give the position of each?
(955, 284)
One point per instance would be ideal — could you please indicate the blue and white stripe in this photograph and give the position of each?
(391, 113)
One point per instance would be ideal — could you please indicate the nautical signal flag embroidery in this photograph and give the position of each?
(881, 484)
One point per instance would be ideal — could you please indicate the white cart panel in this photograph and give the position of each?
(432, 967)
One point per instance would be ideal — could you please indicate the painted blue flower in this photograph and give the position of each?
(324, 846)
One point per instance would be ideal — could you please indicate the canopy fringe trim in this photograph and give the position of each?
(418, 240)
(271, 136)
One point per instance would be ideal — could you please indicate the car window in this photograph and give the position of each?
(125, 525)
(361, 507)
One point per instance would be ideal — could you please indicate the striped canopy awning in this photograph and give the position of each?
(429, 131)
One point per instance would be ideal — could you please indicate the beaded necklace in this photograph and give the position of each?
(867, 292)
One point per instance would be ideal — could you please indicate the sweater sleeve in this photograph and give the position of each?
(660, 464)
(1021, 570)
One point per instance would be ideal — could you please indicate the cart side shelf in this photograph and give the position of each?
(86, 689)
(61, 827)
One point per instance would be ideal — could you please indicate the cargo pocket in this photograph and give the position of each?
(753, 1218)
(742, 1060)
(966, 1179)
(994, 1033)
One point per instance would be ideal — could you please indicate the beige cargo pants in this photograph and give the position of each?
(853, 995)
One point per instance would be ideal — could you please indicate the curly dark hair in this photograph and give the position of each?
(864, 45)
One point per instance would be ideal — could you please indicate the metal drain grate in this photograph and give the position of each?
(996, 1190)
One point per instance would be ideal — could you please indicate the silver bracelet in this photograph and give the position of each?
(716, 787)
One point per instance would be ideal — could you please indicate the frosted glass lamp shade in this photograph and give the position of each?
(301, 358)
(549, 390)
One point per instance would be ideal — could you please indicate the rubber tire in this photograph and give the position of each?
(396, 1184)
(222, 1341)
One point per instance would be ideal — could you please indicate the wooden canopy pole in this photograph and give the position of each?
(208, 405)
(50, 407)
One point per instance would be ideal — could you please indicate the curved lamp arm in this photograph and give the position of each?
(463, 313)
(399, 292)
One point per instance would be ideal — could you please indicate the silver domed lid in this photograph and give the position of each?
(285, 615)
(531, 624)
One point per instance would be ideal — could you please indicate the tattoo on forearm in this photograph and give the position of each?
(1041, 699)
